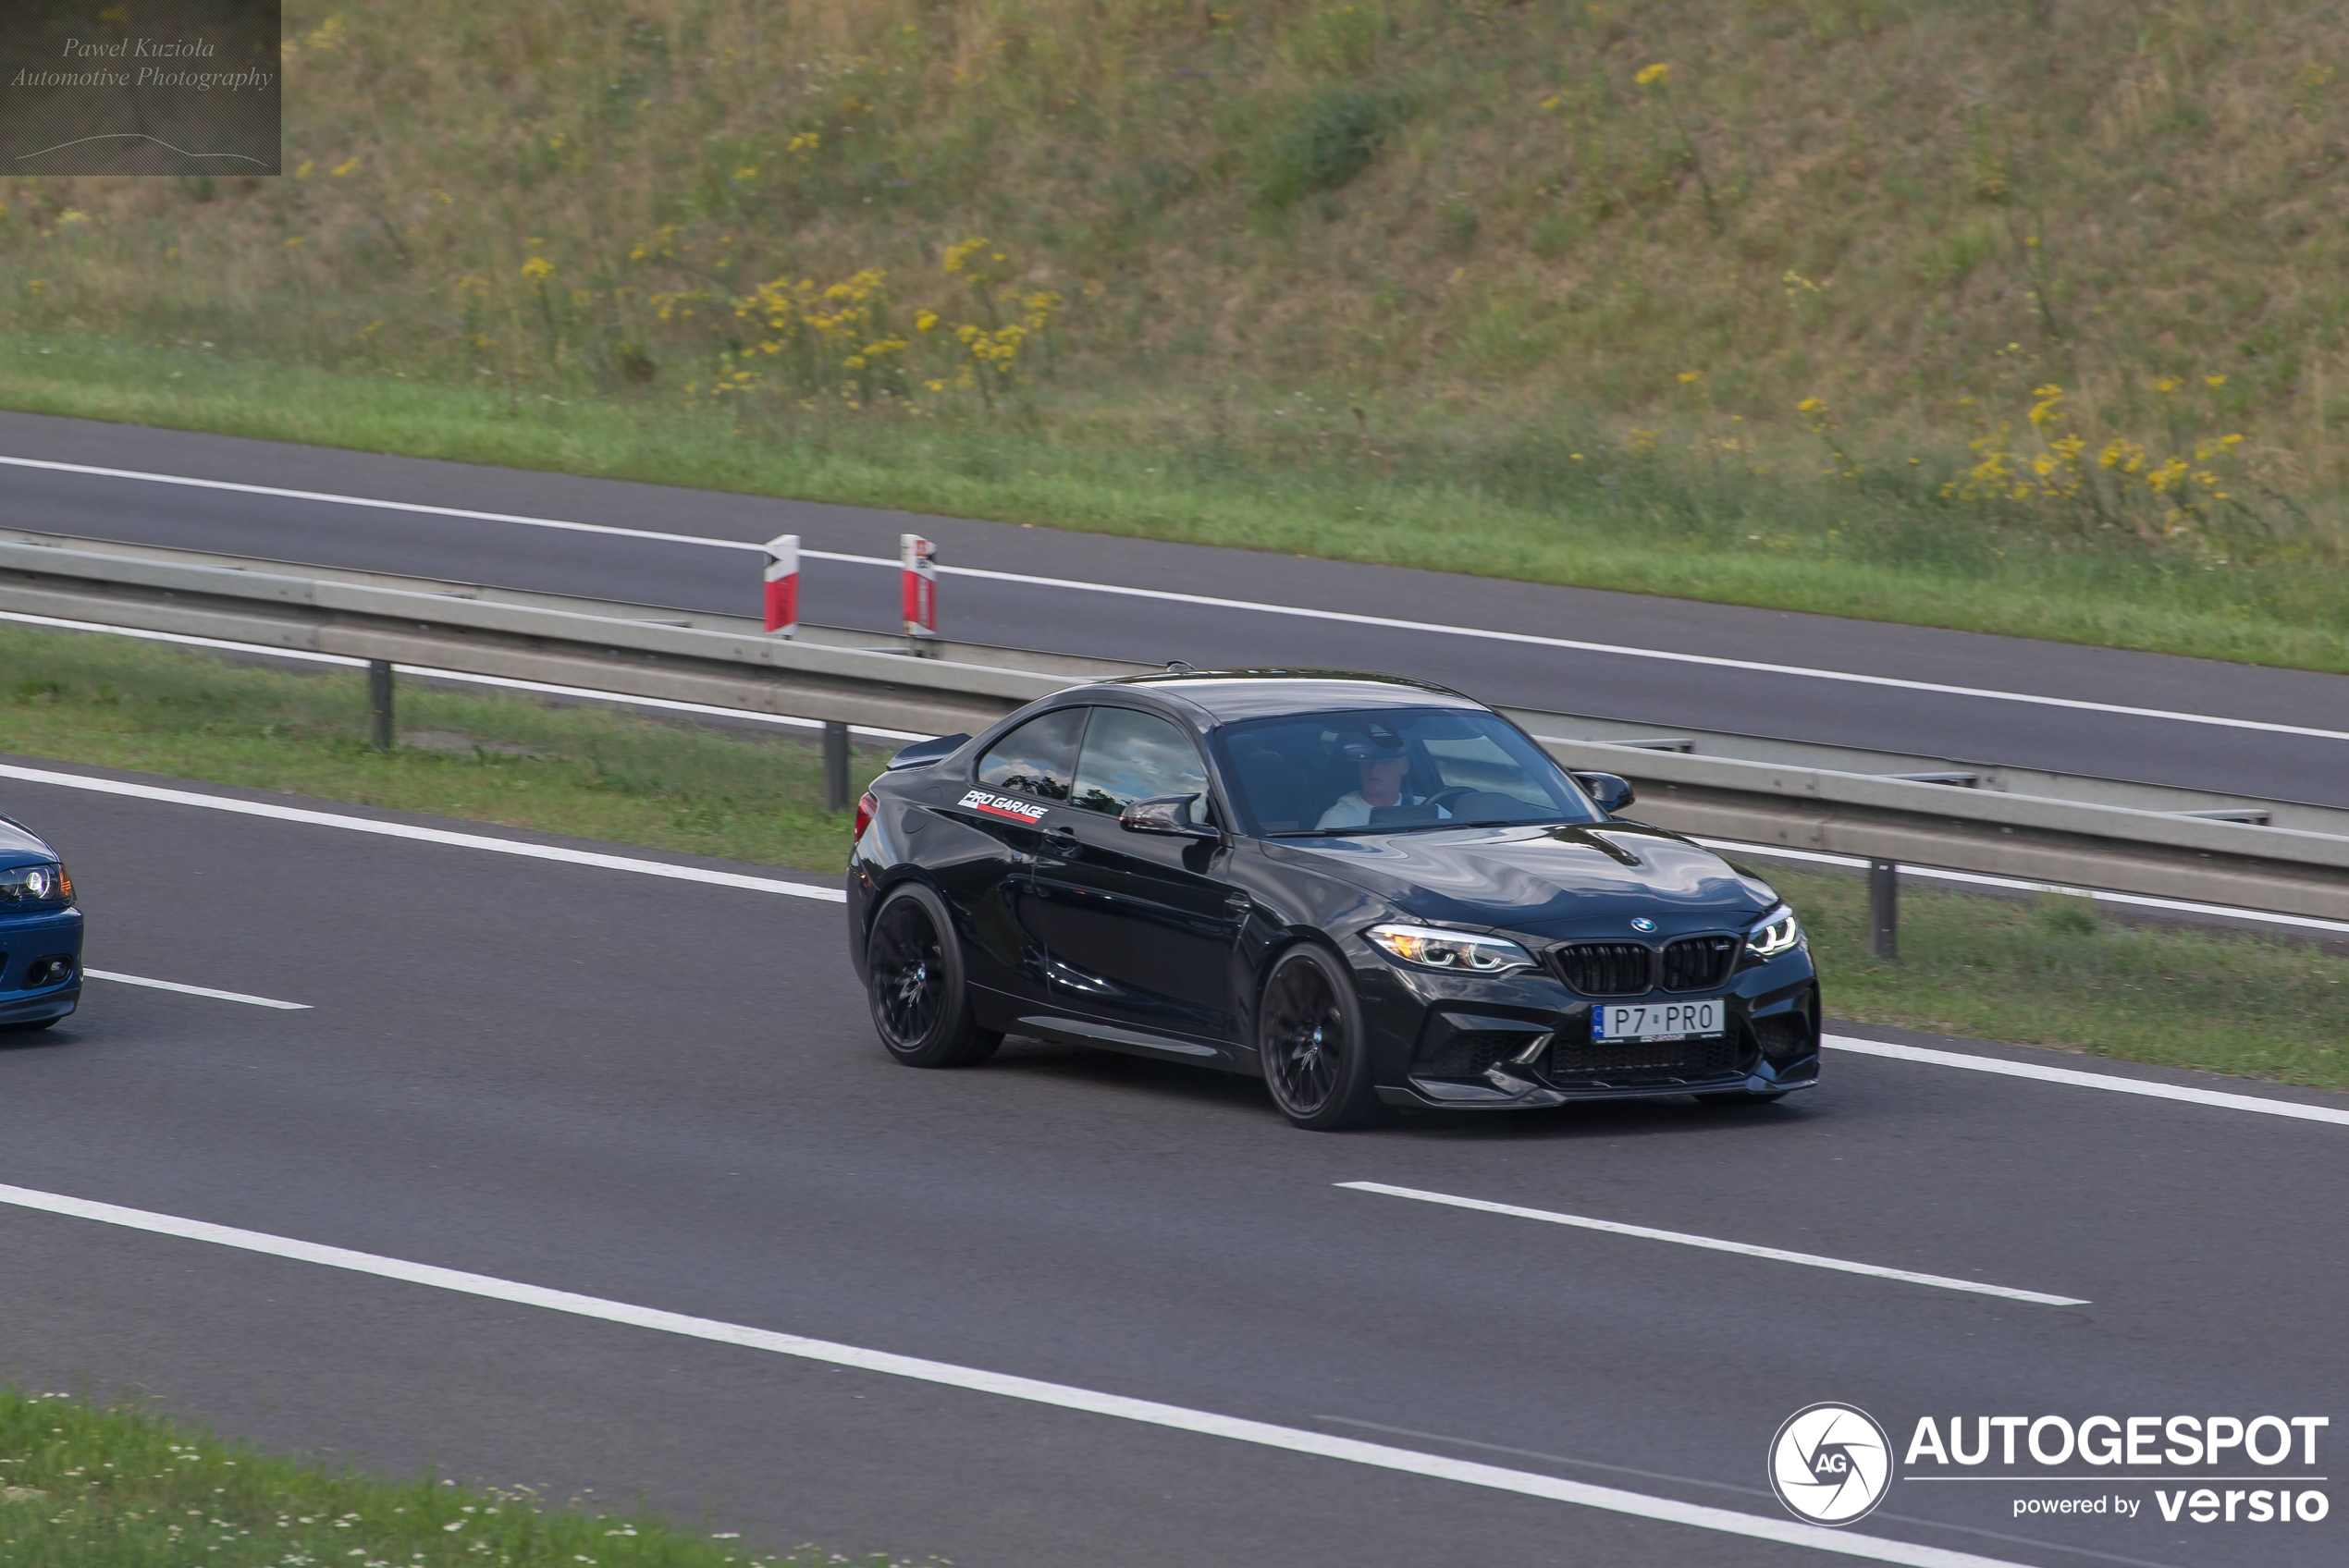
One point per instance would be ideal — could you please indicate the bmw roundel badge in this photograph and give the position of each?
(1641, 924)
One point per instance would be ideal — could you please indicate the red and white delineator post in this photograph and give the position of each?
(783, 584)
(917, 559)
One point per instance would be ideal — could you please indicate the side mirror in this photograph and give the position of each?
(1607, 792)
(1168, 814)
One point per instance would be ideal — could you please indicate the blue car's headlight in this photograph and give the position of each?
(1460, 952)
(35, 885)
(1775, 933)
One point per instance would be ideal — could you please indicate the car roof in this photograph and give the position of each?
(1225, 696)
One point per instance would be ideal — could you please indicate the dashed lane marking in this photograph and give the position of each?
(1711, 1243)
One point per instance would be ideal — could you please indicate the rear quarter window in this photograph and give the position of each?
(1039, 758)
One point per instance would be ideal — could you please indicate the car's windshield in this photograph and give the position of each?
(1385, 770)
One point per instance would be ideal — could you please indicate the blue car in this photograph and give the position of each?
(40, 933)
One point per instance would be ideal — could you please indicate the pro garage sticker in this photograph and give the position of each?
(1004, 806)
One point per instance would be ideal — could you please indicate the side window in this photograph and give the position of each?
(1038, 758)
(1132, 756)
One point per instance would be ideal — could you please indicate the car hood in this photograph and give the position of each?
(18, 844)
(1579, 880)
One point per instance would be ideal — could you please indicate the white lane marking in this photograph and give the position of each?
(195, 990)
(1710, 1244)
(588, 693)
(424, 835)
(1980, 879)
(1008, 1386)
(2109, 1082)
(1214, 602)
(284, 495)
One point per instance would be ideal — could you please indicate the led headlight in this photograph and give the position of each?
(35, 885)
(1775, 933)
(1461, 952)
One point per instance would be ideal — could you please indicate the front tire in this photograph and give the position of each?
(921, 1008)
(1309, 1036)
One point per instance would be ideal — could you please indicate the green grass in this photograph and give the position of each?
(83, 1486)
(587, 772)
(1983, 967)
(2051, 972)
(1886, 554)
(1473, 287)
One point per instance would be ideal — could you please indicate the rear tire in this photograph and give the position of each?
(914, 966)
(1309, 1037)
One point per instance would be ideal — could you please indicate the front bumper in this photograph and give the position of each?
(39, 939)
(1523, 1041)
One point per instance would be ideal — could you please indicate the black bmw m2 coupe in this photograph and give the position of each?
(1364, 889)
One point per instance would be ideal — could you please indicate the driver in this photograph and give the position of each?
(1383, 765)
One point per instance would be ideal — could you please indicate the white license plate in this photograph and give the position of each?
(1655, 1021)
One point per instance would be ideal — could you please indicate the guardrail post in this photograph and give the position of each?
(380, 729)
(835, 766)
(1884, 909)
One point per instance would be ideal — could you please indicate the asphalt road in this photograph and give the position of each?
(666, 1093)
(1972, 728)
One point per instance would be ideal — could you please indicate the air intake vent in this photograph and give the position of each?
(1468, 1054)
(1622, 1064)
(1699, 964)
(1784, 1036)
(1606, 968)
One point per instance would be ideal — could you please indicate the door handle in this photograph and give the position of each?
(1060, 839)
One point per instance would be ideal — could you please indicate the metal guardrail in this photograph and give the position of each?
(1936, 811)
(636, 650)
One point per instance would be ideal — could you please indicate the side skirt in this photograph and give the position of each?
(1136, 1041)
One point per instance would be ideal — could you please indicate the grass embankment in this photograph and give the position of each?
(84, 1487)
(2052, 973)
(1933, 311)
(587, 772)
(1989, 968)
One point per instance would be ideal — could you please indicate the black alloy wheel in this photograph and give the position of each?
(915, 968)
(1308, 1035)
